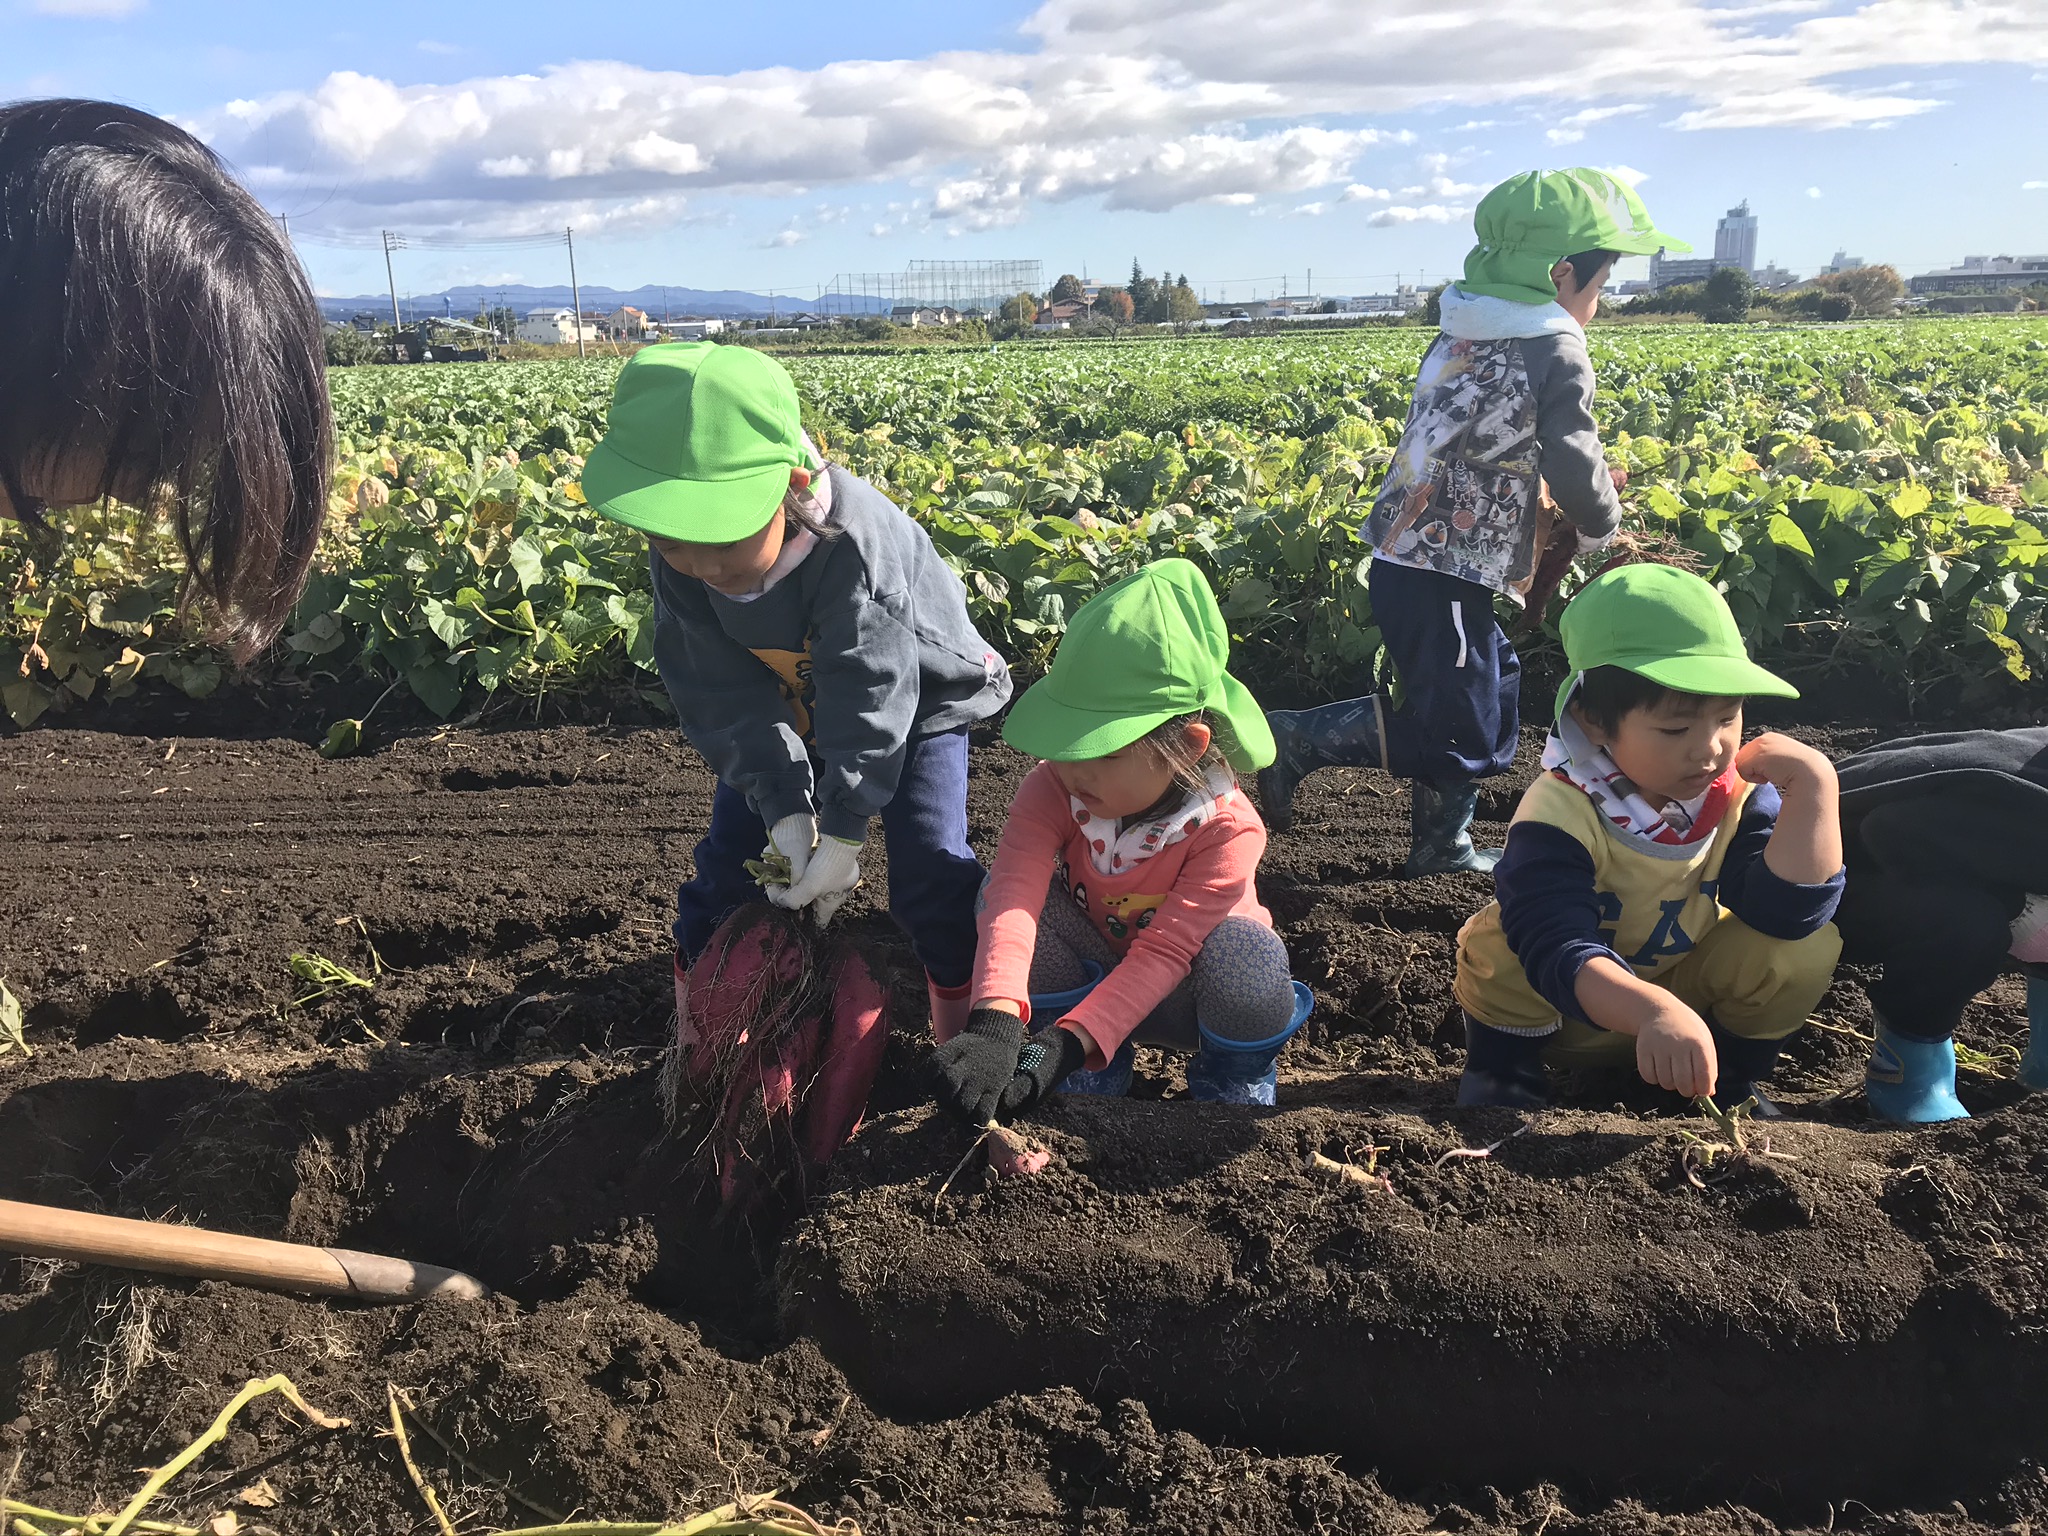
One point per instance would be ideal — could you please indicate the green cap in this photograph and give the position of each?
(1531, 222)
(701, 442)
(1664, 624)
(1134, 656)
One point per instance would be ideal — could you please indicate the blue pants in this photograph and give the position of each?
(1461, 681)
(933, 875)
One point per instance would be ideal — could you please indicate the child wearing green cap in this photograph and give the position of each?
(1662, 882)
(1122, 903)
(817, 650)
(1503, 404)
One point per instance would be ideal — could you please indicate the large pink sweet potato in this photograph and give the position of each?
(778, 1037)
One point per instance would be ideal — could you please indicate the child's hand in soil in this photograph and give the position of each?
(1675, 1050)
(1047, 1059)
(971, 1071)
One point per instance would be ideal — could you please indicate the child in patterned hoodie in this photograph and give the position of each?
(1122, 903)
(1503, 404)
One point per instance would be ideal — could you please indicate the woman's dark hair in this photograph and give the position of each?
(1606, 695)
(1588, 265)
(162, 339)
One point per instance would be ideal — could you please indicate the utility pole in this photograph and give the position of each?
(575, 292)
(393, 242)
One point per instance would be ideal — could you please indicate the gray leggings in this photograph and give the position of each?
(1240, 986)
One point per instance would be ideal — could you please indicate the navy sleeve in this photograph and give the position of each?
(1772, 905)
(1550, 911)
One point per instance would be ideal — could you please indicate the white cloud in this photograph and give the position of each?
(1359, 192)
(782, 239)
(95, 8)
(1626, 173)
(1429, 213)
(1813, 192)
(428, 45)
(1311, 210)
(2034, 186)
(1130, 103)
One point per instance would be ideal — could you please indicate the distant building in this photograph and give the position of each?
(1735, 238)
(1773, 278)
(1669, 272)
(628, 324)
(1843, 262)
(1985, 274)
(556, 327)
(922, 314)
(1063, 315)
(690, 330)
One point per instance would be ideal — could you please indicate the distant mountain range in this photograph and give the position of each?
(677, 303)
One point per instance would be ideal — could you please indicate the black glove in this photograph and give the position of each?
(1046, 1060)
(971, 1070)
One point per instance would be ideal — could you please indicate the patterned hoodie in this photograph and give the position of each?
(1503, 404)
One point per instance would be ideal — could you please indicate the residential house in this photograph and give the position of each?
(556, 327)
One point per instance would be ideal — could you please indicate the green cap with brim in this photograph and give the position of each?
(700, 444)
(1664, 624)
(1137, 654)
(1532, 221)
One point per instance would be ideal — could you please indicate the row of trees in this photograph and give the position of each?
(1162, 300)
(1731, 295)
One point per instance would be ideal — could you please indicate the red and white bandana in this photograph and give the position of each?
(1117, 846)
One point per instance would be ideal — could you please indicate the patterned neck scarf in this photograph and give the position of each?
(1115, 847)
(1571, 755)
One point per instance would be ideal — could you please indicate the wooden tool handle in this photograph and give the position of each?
(51, 1232)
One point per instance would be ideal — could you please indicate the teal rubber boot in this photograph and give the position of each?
(1244, 1071)
(1350, 733)
(2034, 1065)
(1113, 1079)
(1441, 839)
(1912, 1082)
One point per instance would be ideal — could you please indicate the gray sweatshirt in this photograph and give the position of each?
(805, 697)
(1503, 403)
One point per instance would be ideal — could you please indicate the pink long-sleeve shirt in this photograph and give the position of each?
(1155, 914)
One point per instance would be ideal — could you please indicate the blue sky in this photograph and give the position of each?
(771, 145)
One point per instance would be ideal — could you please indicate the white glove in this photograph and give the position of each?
(833, 873)
(1590, 544)
(794, 837)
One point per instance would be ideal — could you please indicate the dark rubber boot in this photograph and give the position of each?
(1502, 1068)
(1349, 733)
(2034, 1065)
(1441, 841)
(1743, 1063)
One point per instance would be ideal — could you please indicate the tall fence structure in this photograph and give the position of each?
(974, 287)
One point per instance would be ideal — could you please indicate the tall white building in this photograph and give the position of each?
(1735, 238)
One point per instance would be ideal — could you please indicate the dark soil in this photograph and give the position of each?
(1179, 1328)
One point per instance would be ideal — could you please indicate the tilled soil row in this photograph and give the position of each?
(1100, 1350)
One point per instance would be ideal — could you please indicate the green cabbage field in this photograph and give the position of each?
(1871, 498)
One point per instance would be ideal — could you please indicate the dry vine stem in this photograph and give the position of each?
(761, 1515)
(116, 1525)
(412, 1468)
(1486, 1151)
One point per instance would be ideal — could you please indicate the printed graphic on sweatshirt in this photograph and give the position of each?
(1460, 494)
(1122, 915)
(792, 670)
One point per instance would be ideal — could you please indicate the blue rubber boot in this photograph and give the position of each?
(1349, 733)
(1440, 841)
(1741, 1063)
(1503, 1069)
(1243, 1071)
(1113, 1079)
(1912, 1082)
(2034, 1065)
